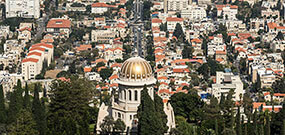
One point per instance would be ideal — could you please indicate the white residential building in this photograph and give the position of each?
(100, 8)
(193, 12)
(8, 80)
(176, 5)
(59, 27)
(23, 8)
(31, 67)
(172, 21)
(224, 83)
(102, 36)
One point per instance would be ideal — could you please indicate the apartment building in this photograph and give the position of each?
(193, 12)
(172, 21)
(225, 81)
(31, 67)
(228, 12)
(100, 8)
(9, 81)
(176, 5)
(23, 8)
(270, 13)
(102, 36)
(59, 27)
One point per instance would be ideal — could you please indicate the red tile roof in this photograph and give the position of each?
(87, 69)
(113, 77)
(164, 91)
(116, 65)
(59, 23)
(196, 40)
(35, 53)
(26, 28)
(162, 78)
(156, 20)
(181, 70)
(47, 40)
(37, 48)
(221, 52)
(256, 105)
(102, 5)
(29, 60)
(42, 44)
(174, 19)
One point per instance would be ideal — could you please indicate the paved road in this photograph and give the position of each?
(137, 28)
(42, 22)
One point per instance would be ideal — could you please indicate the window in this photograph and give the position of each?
(136, 95)
(130, 95)
(130, 117)
(125, 94)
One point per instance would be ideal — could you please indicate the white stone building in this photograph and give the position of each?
(23, 8)
(134, 75)
(224, 83)
(193, 12)
(59, 27)
(176, 5)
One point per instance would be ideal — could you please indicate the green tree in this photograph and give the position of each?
(38, 111)
(68, 107)
(105, 73)
(119, 126)
(147, 115)
(187, 52)
(255, 129)
(23, 124)
(178, 33)
(283, 128)
(27, 100)
(161, 115)
(279, 85)
(3, 115)
(267, 125)
(16, 102)
(204, 70)
(280, 36)
(216, 127)
(187, 105)
(107, 125)
(238, 124)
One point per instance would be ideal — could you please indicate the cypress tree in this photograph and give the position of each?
(238, 125)
(216, 127)
(283, 128)
(38, 111)
(232, 119)
(2, 106)
(161, 115)
(148, 120)
(68, 107)
(245, 128)
(261, 131)
(16, 102)
(255, 122)
(242, 124)
(248, 128)
(27, 101)
(267, 125)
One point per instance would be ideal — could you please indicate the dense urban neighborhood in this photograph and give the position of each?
(146, 67)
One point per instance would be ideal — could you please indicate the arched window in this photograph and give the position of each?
(119, 115)
(130, 95)
(136, 95)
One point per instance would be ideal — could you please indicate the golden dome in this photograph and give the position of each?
(135, 69)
